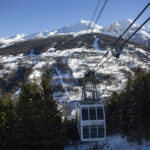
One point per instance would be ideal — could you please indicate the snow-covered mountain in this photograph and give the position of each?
(66, 62)
(79, 26)
(7, 41)
(117, 28)
(113, 29)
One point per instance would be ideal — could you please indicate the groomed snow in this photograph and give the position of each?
(35, 75)
(112, 143)
(96, 44)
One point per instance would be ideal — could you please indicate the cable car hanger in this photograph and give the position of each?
(121, 48)
(114, 45)
(116, 53)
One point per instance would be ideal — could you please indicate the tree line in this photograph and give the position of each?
(34, 121)
(128, 112)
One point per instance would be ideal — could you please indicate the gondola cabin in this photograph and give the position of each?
(91, 120)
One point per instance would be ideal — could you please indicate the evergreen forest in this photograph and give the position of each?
(36, 121)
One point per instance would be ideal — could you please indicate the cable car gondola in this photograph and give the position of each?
(91, 115)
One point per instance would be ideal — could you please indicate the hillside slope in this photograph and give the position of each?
(65, 60)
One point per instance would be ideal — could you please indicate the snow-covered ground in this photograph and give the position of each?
(78, 60)
(112, 143)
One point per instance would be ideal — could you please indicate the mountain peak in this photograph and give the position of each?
(126, 22)
(113, 29)
(85, 22)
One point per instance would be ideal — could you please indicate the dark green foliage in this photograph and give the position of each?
(34, 121)
(71, 130)
(28, 117)
(129, 113)
(39, 123)
(53, 116)
(7, 122)
(112, 115)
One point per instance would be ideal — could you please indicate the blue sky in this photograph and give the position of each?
(30, 16)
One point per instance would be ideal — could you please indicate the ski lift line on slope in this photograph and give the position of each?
(98, 17)
(123, 34)
(88, 25)
(101, 10)
(94, 13)
(124, 42)
(100, 13)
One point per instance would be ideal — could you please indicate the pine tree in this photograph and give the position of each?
(138, 112)
(141, 94)
(71, 132)
(112, 114)
(6, 122)
(39, 119)
(146, 95)
(3, 138)
(126, 101)
(27, 117)
(133, 104)
(52, 116)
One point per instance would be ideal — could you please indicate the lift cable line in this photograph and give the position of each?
(86, 109)
(123, 34)
(133, 22)
(89, 73)
(83, 97)
(124, 43)
(98, 3)
(135, 32)
(94, 13)
(100, 13)
(93, 16)
(98, 17)
(89, 105)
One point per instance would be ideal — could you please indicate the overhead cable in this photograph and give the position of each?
(100, 13)
(122, 34)
(98, 3)
(125, 42)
